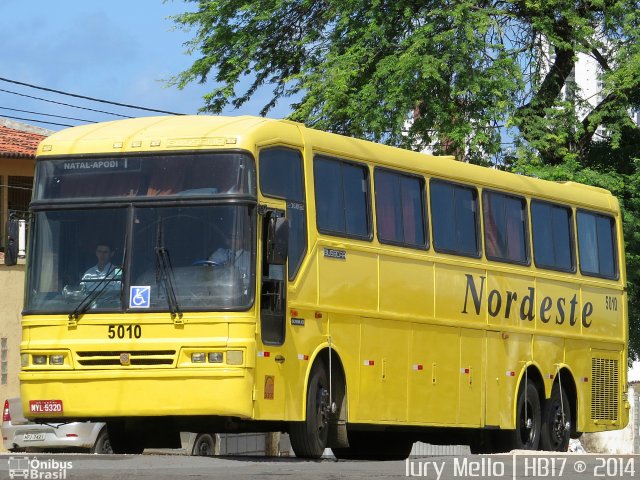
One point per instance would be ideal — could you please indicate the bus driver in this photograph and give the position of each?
(103, 269)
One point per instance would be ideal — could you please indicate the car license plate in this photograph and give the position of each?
(33, 437)
(45, 406)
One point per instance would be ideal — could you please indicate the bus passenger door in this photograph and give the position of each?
(280, 376)
(270, 385)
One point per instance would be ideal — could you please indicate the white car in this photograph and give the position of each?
(20, 434)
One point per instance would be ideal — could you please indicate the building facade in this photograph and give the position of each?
(18, 143)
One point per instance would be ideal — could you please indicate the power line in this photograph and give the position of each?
(38, 121)
(64, 104)
(88, 98)
(48, 115)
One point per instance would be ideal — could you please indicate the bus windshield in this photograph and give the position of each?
(198, 257)
(144, 176)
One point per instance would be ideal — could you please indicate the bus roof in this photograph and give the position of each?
(201, 132)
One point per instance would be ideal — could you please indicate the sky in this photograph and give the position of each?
(118, 50)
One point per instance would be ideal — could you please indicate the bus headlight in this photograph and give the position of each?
(197, 357)
(207, 356)
(215, 357)
(39, 359)
(24, 360)
(56, 359)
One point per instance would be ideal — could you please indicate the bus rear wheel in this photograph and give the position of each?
(556, 422)
(526, 436)
(309, 438)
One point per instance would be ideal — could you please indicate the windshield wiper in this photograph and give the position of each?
(164, 275)
(86, 302)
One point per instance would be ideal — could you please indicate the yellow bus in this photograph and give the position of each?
(244, 274)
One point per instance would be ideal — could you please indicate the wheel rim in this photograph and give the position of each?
(204, 449)
(527, 424)
(558, 426)
(322, 409)
(106, 447)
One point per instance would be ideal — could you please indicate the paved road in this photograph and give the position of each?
(170, 467)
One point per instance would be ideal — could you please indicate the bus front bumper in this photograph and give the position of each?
(103, 394)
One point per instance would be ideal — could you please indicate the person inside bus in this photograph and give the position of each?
(234, 254)
(103, 269)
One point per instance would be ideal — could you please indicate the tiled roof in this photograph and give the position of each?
(18, 144)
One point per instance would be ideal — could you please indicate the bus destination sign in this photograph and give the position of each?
(99, 165)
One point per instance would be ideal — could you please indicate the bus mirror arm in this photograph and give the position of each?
(11, 251)
(277, 240)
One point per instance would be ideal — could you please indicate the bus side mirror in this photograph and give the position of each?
(278, 241)
(11, 250)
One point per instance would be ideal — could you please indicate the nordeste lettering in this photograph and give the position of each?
(525, 306)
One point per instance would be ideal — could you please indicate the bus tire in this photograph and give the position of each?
(204, 446)
(554, 435)
(526, 436)
(309, 438)
(103, 444)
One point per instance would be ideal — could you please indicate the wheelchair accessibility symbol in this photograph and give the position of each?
(139, 297)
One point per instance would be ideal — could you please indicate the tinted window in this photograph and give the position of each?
(65, 259)
(201, 174)
(552, 236)
(454, 216)
(400, 209)
(200, 257)
(329, 200)
(281, 176)
(505, 227)
(206, 254)
(342, 203)
(596, 245)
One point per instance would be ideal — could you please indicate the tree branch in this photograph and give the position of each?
(590, 125)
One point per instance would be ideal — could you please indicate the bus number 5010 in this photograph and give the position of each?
(122, 331)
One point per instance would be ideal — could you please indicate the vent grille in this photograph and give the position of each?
(604, 389)
(136, 357)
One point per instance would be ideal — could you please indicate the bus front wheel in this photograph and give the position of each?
(309, 438)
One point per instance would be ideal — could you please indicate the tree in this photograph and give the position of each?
(465, 69)
(617, 170)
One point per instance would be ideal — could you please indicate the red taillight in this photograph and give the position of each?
(6, 416)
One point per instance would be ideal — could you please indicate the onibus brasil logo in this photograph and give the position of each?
(33, 468)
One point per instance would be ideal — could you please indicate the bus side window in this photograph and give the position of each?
(552, 236)
(505, 227)
(454, 218)
(596, 245)
(342, 198)
(400, 208)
